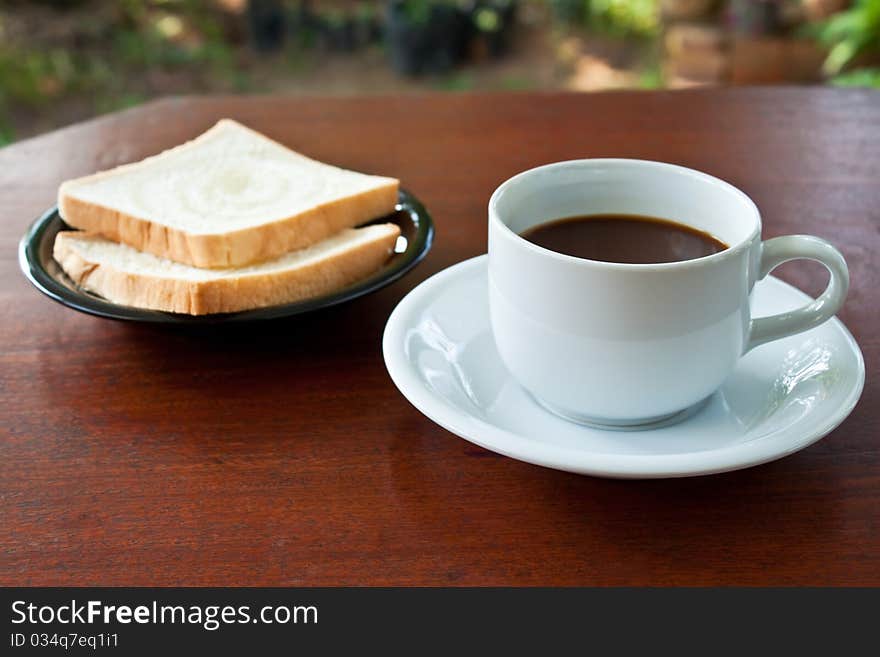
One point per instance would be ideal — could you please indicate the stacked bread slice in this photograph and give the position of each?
(226, 222)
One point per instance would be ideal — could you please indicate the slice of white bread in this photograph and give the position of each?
(133, 278)
(229, 198)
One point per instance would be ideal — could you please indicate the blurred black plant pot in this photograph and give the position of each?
(60, 4)
(367, 27)
(266, 24)
(755, 17)
(493, 21)
(304, 25)
(568, 11)
(426, 37)
(339, 32)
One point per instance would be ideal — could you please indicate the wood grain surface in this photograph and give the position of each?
(282, 454)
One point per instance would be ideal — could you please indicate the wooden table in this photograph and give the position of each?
(281, 454)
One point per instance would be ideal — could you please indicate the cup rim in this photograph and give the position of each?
(731, 251)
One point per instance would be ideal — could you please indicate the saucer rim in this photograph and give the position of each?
(602, 464)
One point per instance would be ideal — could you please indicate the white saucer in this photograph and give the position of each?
(782, 397)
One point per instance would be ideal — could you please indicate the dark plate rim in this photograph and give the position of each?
(36, 273)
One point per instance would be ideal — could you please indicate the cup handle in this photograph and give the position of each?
(778, 250)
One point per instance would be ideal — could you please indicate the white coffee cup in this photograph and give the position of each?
(629, 345)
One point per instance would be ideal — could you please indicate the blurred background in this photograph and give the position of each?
(65, 60)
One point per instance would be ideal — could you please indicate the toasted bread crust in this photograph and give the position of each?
(231, 294)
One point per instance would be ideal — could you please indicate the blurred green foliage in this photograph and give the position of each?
(516, 83)
(106, 59)
(651, 78)
(115, 54)
(416, 11)
(455, 82)
(623, 18)
(639, 18)
(7, 134)
(860, 77)
(170, 33)
(851, 34)
(112, 55)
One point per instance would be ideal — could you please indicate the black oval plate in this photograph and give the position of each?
(37, 263)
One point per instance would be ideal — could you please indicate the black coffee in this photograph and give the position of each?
(626, 238)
